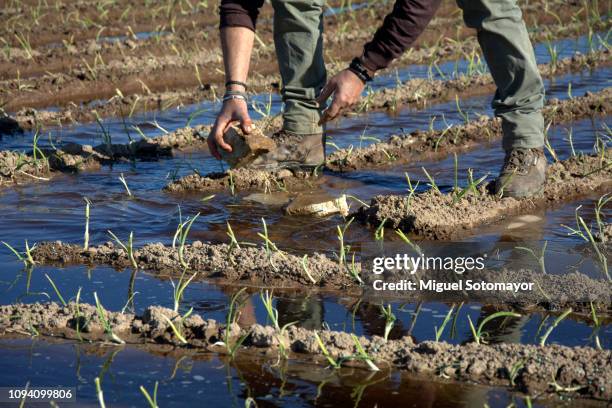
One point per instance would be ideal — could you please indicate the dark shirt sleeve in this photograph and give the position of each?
(399, 30)
(239, 13)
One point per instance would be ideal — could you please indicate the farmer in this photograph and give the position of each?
(502, 35)
(298, 38)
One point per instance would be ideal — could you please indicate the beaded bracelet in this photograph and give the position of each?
(242, 84)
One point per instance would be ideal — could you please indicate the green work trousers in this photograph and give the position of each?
(298, 37)
(519, 98)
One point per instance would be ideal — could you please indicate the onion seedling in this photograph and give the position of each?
(411, 189)
(332, 362)
(344, 249)
(390, 319)
(179, 289)
(596, 327)
(57, 292)
(152, 400)
(305, 267)
(587, 235)
(553, 325)
(232, 316)
(480, 334)
(267, 301)
(432, 182)
(124, 182)
(540, 258)
(233, 241)
(86, 235)
(25, 257)
(182, 231)
(128, 248)
(176, 330)
(108, 329)
(379, 234)
(438, 331)
(99, 393)
(362, 355)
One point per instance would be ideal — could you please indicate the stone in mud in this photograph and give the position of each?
(319, 204)
(245, 147)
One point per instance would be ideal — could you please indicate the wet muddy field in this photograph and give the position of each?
(130, 255)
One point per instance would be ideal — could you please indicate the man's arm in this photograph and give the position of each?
(238, 19)
(399, 30)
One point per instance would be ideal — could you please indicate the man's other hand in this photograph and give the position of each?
(346, 88)
(234, 110)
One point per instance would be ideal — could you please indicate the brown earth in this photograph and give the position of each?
(246, 264)
(162, 69)
(440, 216)
(573, 371)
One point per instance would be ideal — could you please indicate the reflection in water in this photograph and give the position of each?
(187, 378)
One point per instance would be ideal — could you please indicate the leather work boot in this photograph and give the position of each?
(295, 152)
(523, 173)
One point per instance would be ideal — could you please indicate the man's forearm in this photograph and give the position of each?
(237, 45)
(399, 30)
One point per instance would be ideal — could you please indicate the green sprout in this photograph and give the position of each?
(480, 334)
(553, 325)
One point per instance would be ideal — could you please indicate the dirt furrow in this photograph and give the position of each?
(256, 266)
(150, 83)
(409, 147)
(573, 371)
(239, 264)
(440, 216)
(399, 149)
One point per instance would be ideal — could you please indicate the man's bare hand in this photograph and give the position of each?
(346, 88)
(233, 111)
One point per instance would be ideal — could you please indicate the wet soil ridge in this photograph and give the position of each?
(551, 292)
(576, 371)
(137, 97)
(41, 163)
(242, 179)
(437, 215)
(396, 150)
(407, 147)
(423, 91)
(253, 265)
(246, 264)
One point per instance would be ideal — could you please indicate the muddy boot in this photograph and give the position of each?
(295, 152)
(523, 173)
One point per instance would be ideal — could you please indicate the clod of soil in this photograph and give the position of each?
(245, 147)
(244, 264)
(576, 371)
(441, 216)
(319, 204)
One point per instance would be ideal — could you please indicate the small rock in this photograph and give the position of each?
(321, 204)
(477, 368)
(245, 148)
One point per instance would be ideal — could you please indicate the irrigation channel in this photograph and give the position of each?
(544, 355)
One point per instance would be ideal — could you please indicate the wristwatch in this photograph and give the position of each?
(360, 70)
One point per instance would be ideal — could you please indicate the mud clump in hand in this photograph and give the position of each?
(245, 147)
